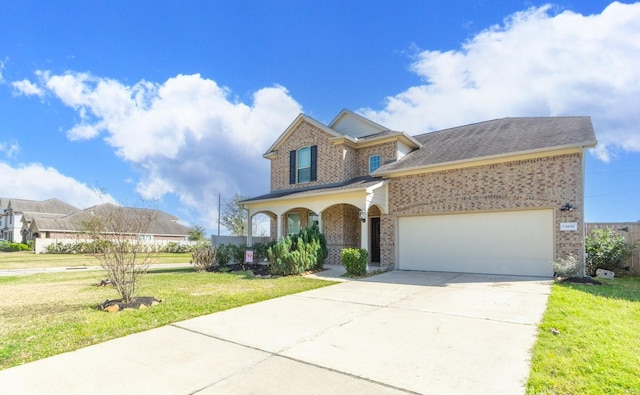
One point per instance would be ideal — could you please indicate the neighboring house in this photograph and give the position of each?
(503, 196)
(46, 229)
(16, 211)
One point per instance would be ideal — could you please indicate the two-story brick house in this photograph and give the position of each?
(502, 196)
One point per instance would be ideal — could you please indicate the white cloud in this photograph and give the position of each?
(10, 149)
(186, 136)
(27, 88)
(36, 182)
(535, 64)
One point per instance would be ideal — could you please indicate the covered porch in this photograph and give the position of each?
(348, 215)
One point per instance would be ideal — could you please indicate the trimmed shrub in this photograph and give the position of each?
(223, 255)
(310, 234)
(237, 252)
(299, 253)
(566, 267)
(355, 261)
(260, 251)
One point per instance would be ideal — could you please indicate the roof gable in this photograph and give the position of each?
(348, 123)
(294, 125)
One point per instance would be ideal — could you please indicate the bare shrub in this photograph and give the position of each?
(204, 259)
(125, 253)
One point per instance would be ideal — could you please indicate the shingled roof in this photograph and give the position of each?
(164, 224)
(363, 182)
(49, 206)
(496, 138)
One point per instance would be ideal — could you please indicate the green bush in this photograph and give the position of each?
(355, 261)
(308, 235)
(97, 246)
(237, 252)
(8, 246)
(80, 247)
(299, 253)
(606, 249)
(287, 257)
(223, 254)
(260, 250)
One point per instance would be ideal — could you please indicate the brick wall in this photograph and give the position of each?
(387, 152)
(333, 160)
(548, 182)
(342, 229)
(336, 163)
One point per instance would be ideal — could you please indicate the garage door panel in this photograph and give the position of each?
(518, 242)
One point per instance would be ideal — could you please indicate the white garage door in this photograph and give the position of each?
(514, 242)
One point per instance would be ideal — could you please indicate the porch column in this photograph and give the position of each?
(320, 226)
(279, 226)
(249, 230)
(364, 236)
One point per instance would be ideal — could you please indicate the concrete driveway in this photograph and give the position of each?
(398, 332)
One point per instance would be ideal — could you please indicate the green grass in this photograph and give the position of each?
(598, 348)
(46, 314)
(29, 260)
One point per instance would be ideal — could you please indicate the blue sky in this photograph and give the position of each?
(175, 102)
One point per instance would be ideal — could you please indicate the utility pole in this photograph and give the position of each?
(218, 214)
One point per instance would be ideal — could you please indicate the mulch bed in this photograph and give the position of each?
(139, 302)
(257, 269)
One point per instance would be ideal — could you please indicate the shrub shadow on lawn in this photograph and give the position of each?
(625, 288)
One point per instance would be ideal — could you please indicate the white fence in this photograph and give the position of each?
(237, 240)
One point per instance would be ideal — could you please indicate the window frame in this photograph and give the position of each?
(307, 168)
(371, 157)
(299, 224)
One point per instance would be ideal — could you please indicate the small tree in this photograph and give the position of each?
(124, 254)
(606, 249)
(234, 217)
(197, 233)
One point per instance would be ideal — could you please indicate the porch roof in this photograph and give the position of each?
(346, 186)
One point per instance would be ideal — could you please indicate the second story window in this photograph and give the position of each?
(303, 165)
(374, 163)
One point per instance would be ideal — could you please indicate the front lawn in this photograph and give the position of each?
(29, 260)
(48, 314)
(597, 349)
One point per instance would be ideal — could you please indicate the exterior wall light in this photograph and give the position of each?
(363, 216)
(567, 207)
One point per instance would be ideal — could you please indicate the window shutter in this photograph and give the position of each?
(314, 163)
(292, 167)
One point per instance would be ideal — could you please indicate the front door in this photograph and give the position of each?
(375, 239)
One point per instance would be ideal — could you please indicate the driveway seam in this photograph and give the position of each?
(272, 354)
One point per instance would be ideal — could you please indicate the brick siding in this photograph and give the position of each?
(547, 182)
(336, 163)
